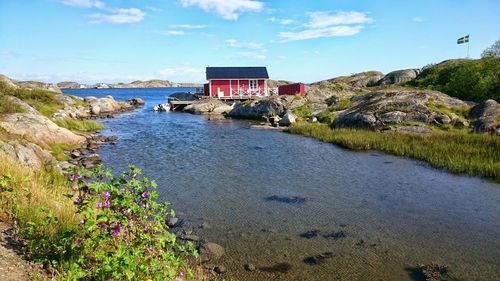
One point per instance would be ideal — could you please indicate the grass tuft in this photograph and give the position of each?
(458, 152)
(90, 126)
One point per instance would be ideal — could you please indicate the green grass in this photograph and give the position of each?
(90, 126)
(43, 101)
(59, 151)
(341, 105)
(8, 107)
(303, 111)
(458, 152)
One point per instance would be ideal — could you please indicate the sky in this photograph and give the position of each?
(91, 41)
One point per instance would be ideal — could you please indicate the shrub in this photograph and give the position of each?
(43, 101)
(473, 80)
(123, 233)
(8, 107)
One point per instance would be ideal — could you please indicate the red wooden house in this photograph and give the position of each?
(236, 82)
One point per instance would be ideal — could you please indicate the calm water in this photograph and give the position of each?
(395, 213)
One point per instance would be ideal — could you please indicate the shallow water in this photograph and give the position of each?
(256, 191)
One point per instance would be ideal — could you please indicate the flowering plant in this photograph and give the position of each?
(124, 233)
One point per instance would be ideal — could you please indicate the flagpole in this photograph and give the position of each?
(468, 44)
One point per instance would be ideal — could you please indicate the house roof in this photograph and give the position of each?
(237, 73)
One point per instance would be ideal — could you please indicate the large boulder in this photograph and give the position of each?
(208, 106)
(487, 116)
(29, 155)
(399, 76)
(380, 109)
(288, 119)
(37, 128)
(104, 105)
(258, 109)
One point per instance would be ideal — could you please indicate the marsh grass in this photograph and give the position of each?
(89, 126)
(458, 152)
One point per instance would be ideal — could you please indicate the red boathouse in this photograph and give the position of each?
(236, 82)
(292, 89)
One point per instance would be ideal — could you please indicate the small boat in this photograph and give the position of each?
(162, 107)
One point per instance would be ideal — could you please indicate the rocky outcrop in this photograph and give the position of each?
(102, 105)
(208, 106)
(37, 128)
(325, 92)
(258, 109)
(69, 85)
(399, 76)
(487, 116)
(9, 82)
(29, 155)
(38, 86)
(378, 110)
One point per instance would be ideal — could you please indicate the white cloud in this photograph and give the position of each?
(261, 55)
(418, 19)
(84, 3)
(326, 24)
(119, 16)
(171, 32)
(281, 21)
(327, 19)
(233, 43)
(227, 9)
(153, 9)
(183, 74)
(188, 26)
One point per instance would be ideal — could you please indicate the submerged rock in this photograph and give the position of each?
(210, 251)
(250, 267)
(318, 259)
(289, 199)
(310, 234)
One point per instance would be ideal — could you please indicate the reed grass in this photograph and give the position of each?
(458, 152)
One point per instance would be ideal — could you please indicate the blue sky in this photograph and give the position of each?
(111, 40)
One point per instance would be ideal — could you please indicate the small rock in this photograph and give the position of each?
(205, 225)
(171, 222)
(250, 267)
(220, 269)
(312, 119)
(75, 154)
(310, 234)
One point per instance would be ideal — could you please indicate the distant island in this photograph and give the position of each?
(156, 83)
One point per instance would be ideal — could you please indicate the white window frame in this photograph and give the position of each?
(253, 85)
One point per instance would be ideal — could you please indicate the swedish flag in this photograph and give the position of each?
(463, 40)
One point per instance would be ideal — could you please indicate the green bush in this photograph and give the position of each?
(8, 107)
(123, 233)
(473, 80)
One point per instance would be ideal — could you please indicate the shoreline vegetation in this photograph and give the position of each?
(457, 152)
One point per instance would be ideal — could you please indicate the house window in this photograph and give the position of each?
(254, 85)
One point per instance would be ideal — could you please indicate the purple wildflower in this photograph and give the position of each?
(115, 230)
(145, 194)
(127, 211)
(83, 220)
(104, 226)
(78, 200)
(75, 177)
(181, 273)
(104, 204)
(106, 194)
(146, 229)
(134, 175)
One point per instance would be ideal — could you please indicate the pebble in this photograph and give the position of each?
(250, 267)
(220, 269)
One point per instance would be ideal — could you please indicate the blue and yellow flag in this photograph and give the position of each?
(463, 40)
